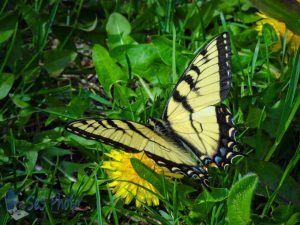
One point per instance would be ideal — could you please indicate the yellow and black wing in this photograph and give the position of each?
(135, 137)
(192, 129)
(191, 116)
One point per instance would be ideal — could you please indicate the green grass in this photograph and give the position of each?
(65, 60)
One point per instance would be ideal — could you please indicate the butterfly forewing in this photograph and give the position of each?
(205, 82)
(131, 136)
(190, 113)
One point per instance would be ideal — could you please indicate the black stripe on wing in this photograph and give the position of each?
(106, 140)
(223, 45)
(183, 100)
(224, 62)
(223, 49)
(196, 172)
(225, 152)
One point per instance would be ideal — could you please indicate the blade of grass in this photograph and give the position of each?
(175, 203)
(50, 217)
(111, 200)
(129, 66)
(267, 55)
(174, 74)
(153, 217)
(201, 24)
(98, 199)
(52, 182)
(9, 48)
(215, 214)
(59, 169)
(290, 106)
(74, 26)
(169, 17)
(253, 63)
(13, 149)
(3, 6)
(284, 45)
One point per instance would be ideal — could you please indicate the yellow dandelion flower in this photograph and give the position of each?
(127, 184)
(280, 28)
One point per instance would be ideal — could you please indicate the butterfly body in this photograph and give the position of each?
(193, 133)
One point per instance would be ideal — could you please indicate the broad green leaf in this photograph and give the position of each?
(294, 219)
(144, 62)
(116, 40)
(269, 176)
(85, 145)
(268, 96)
(72, 167)
(148, 174)
(95, 97)
(21, 101)
(35, 22)
(164, 48)
(107, 71)
(4, 188)
(159, 75)
(55, 108)
(117, 24)
(57, 60)
(3, 158)
(239, 200)
(183, 193)
(260, 141)
(140, 56)
(31, 159)
(272, 120)
(24, 147)
(118, 29)
(247, 17)
(123, 94)
(7, 26)
(213, 195)
(206, 201)
(55, 152)
(255, 117)
(84, 185)
(49, 134)
(6, 82)
(81, 140)
(283, 212)
(88, 26)
(200, 211)
(77, 106)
